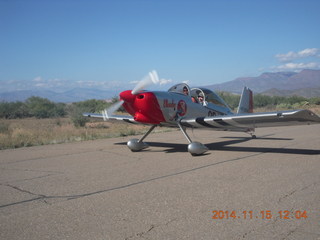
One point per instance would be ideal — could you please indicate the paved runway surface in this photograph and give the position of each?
(100, 190)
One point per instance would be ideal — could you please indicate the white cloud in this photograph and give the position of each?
(290, 56)
(41, 85)
(37, 79)
(297, 61)
(298, 66)
(62, 85)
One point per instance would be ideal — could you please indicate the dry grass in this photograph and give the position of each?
(16, 133)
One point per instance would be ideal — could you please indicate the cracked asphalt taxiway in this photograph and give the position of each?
(243, 188)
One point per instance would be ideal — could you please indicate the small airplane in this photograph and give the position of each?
(184, 107)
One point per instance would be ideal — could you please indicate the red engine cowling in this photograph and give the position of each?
(144, 107)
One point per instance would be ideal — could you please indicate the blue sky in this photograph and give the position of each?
(63, 44)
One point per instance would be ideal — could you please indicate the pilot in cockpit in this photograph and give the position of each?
(201, 98)
(185, 91)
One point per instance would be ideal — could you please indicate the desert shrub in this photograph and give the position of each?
(284, 106)
(295, 99)
(231, 99)
(315, 100)
(77, 118)
(4, 127)
(262, 101)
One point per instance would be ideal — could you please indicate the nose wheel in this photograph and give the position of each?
(136, 145)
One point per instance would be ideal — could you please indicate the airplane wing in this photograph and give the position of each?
(105, 117)
(243, 122)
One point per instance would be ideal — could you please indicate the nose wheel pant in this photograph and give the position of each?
(136, 145)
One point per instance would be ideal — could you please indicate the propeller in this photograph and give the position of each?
(151, 78)
(110, 110)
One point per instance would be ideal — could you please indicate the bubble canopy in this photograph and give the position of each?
(209, 96)
(181, 88)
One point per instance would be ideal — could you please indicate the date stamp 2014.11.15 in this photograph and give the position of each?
(263, 214)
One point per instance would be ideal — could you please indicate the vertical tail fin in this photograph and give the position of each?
(246, 101)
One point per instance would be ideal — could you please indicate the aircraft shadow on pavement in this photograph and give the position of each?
(225, 146)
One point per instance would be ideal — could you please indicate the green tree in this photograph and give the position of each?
(12, 110)
(231, 99)
(44, 108)
(75, 110)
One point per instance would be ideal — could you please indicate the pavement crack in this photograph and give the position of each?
(28, 179)
(247, 233)
(30, 170)
(21, 202)
(47, 157)
(24, 191)
(72, 197)
(295, 191)
(40, 197)
(287, 195)
(143, 233)
(152, 227)
(289, 233)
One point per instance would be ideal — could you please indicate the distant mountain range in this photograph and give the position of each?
(74, 95)
(305, 83)
(304, 92)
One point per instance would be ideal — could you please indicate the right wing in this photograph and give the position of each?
(239, 122)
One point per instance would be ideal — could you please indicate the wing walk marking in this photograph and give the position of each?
(226, 123)
(203, 123)
(221, 122)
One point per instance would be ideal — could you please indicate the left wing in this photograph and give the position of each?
(243, 122)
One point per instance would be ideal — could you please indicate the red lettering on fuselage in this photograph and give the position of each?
(182, 108)
(168, 104)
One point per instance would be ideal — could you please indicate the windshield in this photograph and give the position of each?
(210, 97)
(181, 88)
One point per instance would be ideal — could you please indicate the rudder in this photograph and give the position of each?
(246, 101)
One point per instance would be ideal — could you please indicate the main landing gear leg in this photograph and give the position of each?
(195, 148)
(136, 145)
